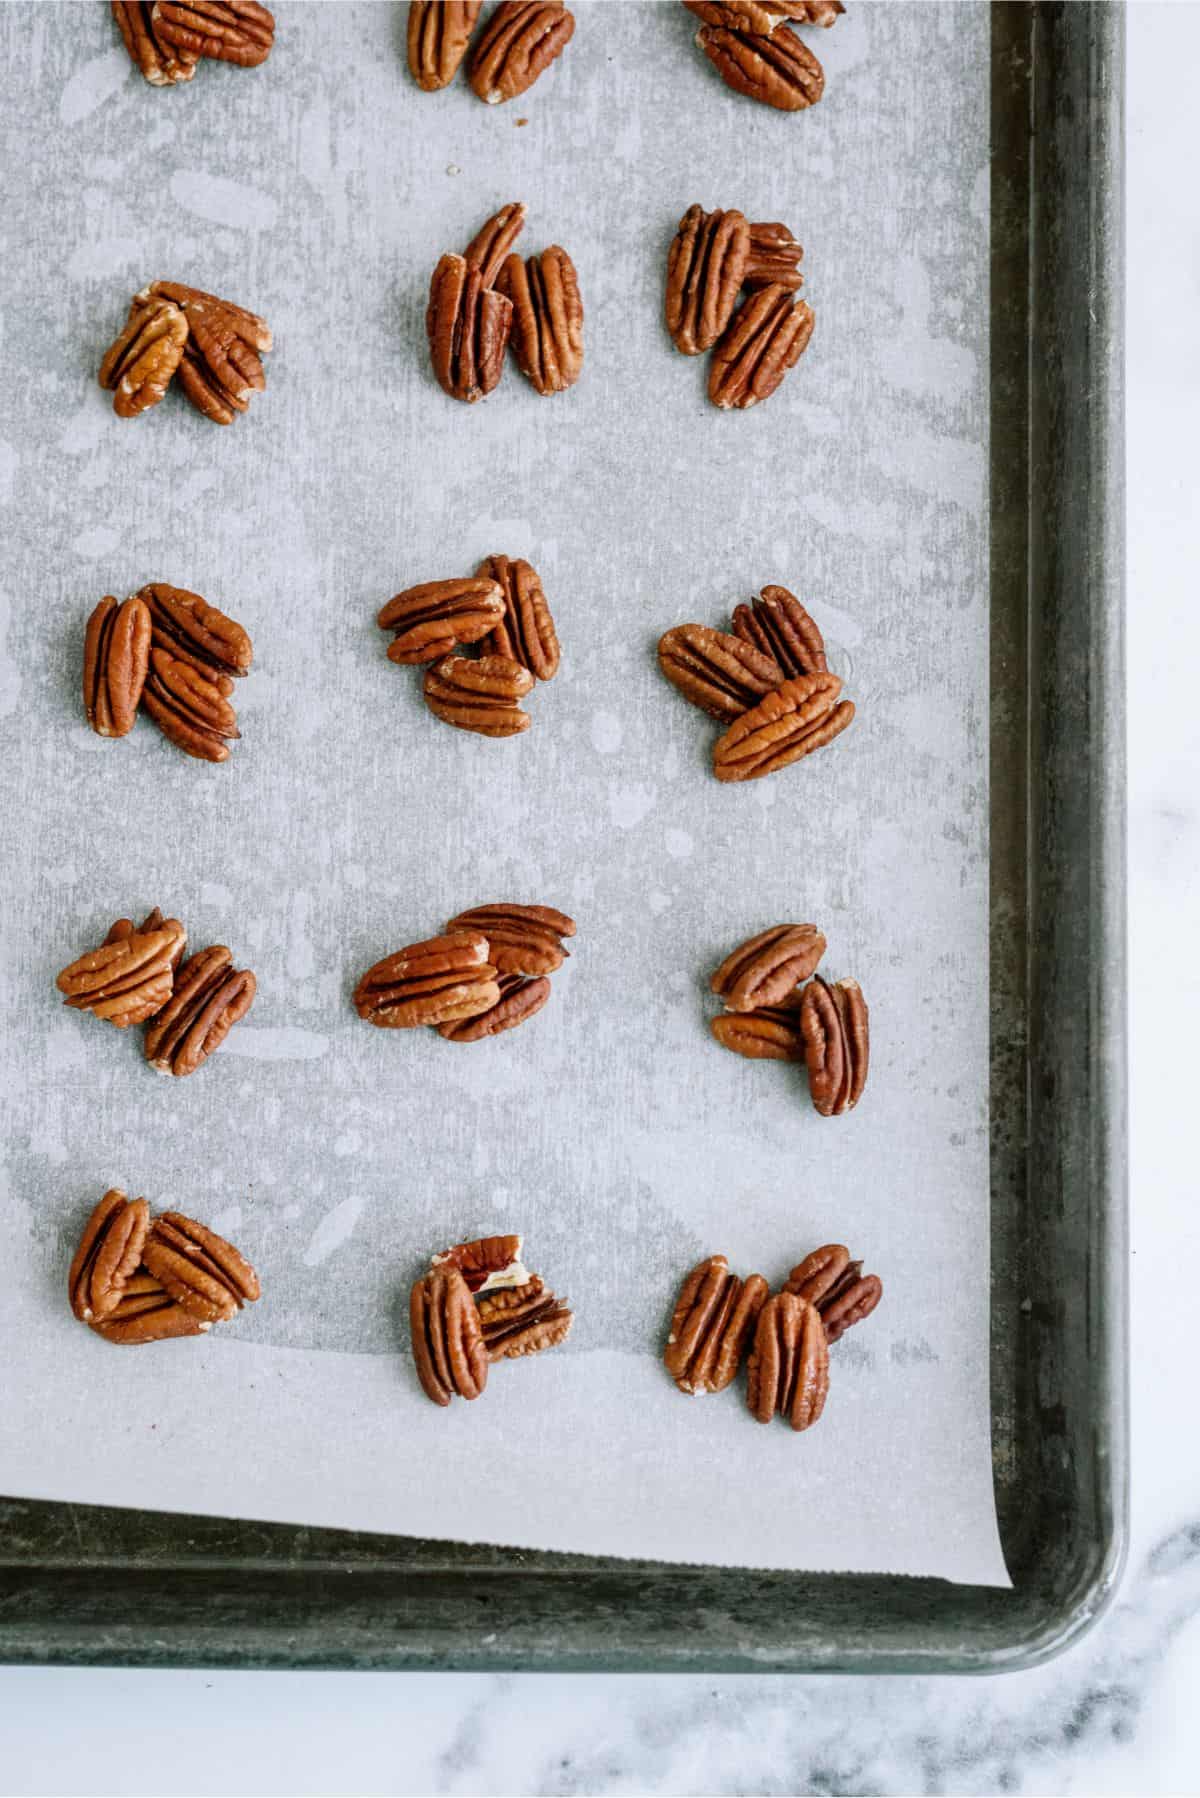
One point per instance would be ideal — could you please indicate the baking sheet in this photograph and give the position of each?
(611, 1130)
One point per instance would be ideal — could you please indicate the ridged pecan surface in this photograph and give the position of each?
(778, 625)
(837, 1286)
(432, 982)
(491, 244)
(775, 68)
(210, 997)
(520, 40)
(199, 1269)
(712, 1322)
(188, 628)
(798, 717)
(432, 619)
(116, 655)
(764, 15)
(146, 1312)
(222, 359)
(768, 967)
(523, 1320)
(770, 1033)
(447, 1337)
(191, 709)
(766, 337)
(547, 325)
(522, 939)
(137, 370)
(774, 258)
(127, 979)
(159, 61)
(526, 632)
(482, 696)
(108, 1256)
(521, 998)
(837, 1044)
(487, 1263)
(787, 1372)
(438, 34)
(706, 266)
(721, 674)
(468, 326)
(237, 31)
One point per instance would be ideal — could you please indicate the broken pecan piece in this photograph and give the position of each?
(836, 1027)
(713, 1318)
(199, 1269)
(803, 714)
(721, 674)
(774, 259)
(520, 40)
(491, 244)
(706, 266)
(447, 1337)
(775, 68)
(765, 969)
(788, 1368)
(128, 979)
(483, 696)
(146, 1312)
(520, 999)
(137, 370)
(433, 982)
(237, 31)
(547, 326)
(116, 654)
(191, 709)
(522, 939)
(767, 336)
(438, 34)
(210, 997)
(764, 15)
(770, 1033)
(188, 628)
(159, 61)
(430, 620)
(526, 632)
(468, 326)
(108, 1256)
(778, 625)
(488, 1264)
(837, 1286)
(523, 1320)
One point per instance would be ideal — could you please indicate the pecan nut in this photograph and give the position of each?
(128, 979)
(520, 41)
(468, 327)
(768, 967)
(522, 939)
(199, 1269)
(116, 654)
(788, 1368)
(210, 997)
(146, 1312)
(137, 370)
(483, 696)
(523, 1320)
(159, 61)
(774, 259)
(447, 1337)
(191, 709)
(778, 625)
(712, 1322)
(526, 632)
(721, 674)
(125, 927)
(768, 335)
(432, 619)
(237, 31)
(520, 999)
(800, 716)
(835, 1024)
(191, 630)
(438, 34)
(488, 1264)
(222, 359)
(770, 1033)
(764, 15)
(547, 328)
(433, 982)
(108, 1256)
(491, 244)
(837, 1286)
(706, 266)
(775, 68)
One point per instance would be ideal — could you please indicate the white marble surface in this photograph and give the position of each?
(1118, 1714)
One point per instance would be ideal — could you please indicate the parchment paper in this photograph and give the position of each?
(612, 1131)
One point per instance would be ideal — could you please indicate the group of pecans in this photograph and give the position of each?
(488, 299)
(487, 973)
(519, 42)
(771, 1014)
(751, 45)
(789, 1333)
(768, 682)
(215, 348)
(714, 257)
(479, 1304)
(502, 607)
(171, 653)
(138, 976)
(167, 39)
(135, 1279)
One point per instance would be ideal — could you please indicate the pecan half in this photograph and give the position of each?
(438, 34)
(237, 31)
(837, 1286)
(775, 68)
(774, 259)
(520, 40)
(222, 360)
(803, 714)
(488, 1264)
(706, 266)
(778, 625)
(191, 709)
(493, 241)
(468, 326)
(788, 1368)
(108, 1256)
(520, 999)
(146, 1312)
(714, 1315)
(523, 1320)
(188, 628)
(766, 968)
(116, 654)
(721, 674)
(837, 1044)
(432, 619)
(547, 329)
(522, 939)
(210, 997)
(764, 15)
(447, 1337)
(137, 370)
(768, 335)
(770, 1033)
(159, 62)
(526, 632)
(482, 696)
(127, 980)
(199, 1269)
(433, 982)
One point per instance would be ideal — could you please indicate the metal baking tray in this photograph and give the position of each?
(83, 1584)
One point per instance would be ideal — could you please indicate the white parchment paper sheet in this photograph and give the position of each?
(612, 1131)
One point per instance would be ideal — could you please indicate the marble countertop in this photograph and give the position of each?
(1118, 1713)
